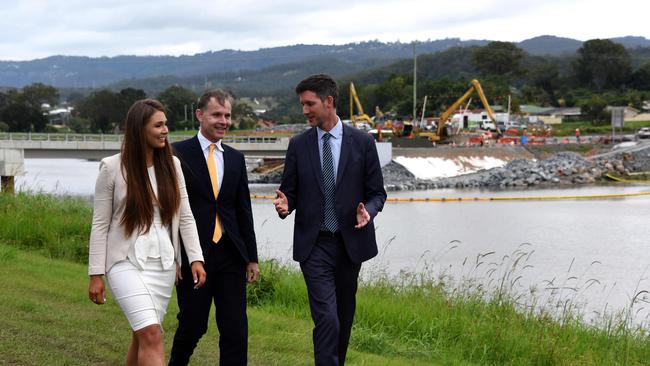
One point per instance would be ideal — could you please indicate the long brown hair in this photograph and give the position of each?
(138, 210)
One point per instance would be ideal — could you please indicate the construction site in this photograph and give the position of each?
(459, 125)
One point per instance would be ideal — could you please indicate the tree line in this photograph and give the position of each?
(599, 74)
(102, 111)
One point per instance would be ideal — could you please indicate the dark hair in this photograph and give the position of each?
(321, 84)
(221, 96)
(138, 210)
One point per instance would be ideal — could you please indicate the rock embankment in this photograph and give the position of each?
(561, 168)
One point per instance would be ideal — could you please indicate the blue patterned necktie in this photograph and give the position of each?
(330, 222)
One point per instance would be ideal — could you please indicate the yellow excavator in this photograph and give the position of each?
(361, 116)
(440, 134)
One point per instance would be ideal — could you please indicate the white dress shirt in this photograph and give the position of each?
(218, 154)
(335, 144)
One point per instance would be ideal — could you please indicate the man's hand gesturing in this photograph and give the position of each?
(281, 204)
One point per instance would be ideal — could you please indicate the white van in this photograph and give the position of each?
(487, 125)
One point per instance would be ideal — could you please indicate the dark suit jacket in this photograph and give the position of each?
(233, 204)
(359, 179)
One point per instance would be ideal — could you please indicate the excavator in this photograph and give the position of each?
(361, 117)
(440, 133)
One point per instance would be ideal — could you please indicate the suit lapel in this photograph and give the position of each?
(200, 166)
(228, 172)
(346, 146)
(314, 156)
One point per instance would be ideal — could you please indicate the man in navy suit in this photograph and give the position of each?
(333, 180)
(217, 186)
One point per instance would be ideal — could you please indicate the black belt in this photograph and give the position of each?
(329, 234)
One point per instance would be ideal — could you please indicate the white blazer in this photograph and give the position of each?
(109, 243)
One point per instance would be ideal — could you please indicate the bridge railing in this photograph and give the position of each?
(74, 137)
(235, 139)
(32, 136)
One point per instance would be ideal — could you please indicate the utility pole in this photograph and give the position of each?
(424, 106)
(192, 110)
(415, 82)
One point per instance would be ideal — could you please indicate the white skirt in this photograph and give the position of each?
(143, 295)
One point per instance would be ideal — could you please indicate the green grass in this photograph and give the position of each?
(46, 318)
(57, 227)
(588, 128)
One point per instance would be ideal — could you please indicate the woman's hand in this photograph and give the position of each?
(198, 274)
(96, 291)
(179, 276)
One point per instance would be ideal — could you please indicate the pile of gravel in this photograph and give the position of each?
(633, 159)
(561, 168)
(273, 177)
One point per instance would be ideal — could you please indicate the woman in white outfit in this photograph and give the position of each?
(140, 208)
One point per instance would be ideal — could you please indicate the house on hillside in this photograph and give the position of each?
(265, 123)
(632, 114)
(59, 116)
(549, 115)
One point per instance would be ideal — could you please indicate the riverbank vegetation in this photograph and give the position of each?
(46, 318)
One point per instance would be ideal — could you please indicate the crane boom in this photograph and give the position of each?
(354, 100)
(476, 87)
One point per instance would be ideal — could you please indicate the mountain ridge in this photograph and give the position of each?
(88, 72)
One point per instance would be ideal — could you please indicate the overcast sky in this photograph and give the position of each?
(37, 28)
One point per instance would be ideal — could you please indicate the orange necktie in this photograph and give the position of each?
(212, 168)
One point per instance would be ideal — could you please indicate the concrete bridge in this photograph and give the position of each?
(15, 147)
(97, 146)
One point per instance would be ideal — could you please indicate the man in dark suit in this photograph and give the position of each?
(332, 179)
(217, 186)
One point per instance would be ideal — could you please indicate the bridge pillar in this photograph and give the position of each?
(11, 164)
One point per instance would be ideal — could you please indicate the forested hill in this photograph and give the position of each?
(83, 72)
(79, 72)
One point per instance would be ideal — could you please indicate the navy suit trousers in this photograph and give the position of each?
(331, 279)
(225, 286)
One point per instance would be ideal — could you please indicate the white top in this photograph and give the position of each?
(156, 243)
(109, 243)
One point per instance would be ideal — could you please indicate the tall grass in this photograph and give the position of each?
(424, 319)
(57, 227)
(475, 318)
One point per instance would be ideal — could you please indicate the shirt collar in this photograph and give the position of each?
(205, 143)
(336, 131)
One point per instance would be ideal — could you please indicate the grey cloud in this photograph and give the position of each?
(37, 28)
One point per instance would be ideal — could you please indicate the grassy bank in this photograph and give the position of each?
(588, 128)
(45, 317)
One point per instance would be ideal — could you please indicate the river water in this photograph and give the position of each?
(594, 253)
